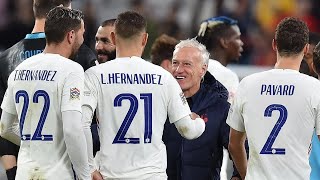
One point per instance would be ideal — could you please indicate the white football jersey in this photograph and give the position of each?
(133, 99)
(39, 90)
(225, 76)
(278, 109)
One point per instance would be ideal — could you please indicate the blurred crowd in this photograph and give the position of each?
(177, 18)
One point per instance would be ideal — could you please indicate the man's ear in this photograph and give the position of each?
(274, 45)
(306, 49)
(204, 69)
(113, 37)
(71, 36)
(224, 43)
(144, 39)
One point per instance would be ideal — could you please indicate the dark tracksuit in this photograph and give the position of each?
(200, 159)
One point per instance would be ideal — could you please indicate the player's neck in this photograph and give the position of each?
(57, 49)
(219, 56)
(292, 62)
(38, 25)
(128, 51)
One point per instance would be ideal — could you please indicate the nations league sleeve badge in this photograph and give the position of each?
(74, 93)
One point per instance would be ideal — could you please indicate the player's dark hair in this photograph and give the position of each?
(162, 48)
(129, 24)
(42, 7)
(316, 58)
(108, 22)
(212, 29)
(60, 21)
(291, 36)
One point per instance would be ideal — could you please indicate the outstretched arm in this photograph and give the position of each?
(189, 128)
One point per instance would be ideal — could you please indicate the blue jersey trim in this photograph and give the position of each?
(35, 36)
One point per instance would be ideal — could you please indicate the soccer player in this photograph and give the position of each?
(277, 110)
(32, 44)
(106, 51)
(133, 98)
(162, 51)
(221, 36)
(44, 93)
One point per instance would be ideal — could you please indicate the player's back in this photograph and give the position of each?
(279, 108)
(132, 109)
(37, 88)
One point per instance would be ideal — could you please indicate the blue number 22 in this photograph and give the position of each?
(120, 136)
(267, 148)
(37, 136)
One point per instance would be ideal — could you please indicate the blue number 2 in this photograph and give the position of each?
(37, 134)
(267, 148)
(120, 136)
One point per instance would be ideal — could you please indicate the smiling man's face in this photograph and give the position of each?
(106, 51)
(188, 68)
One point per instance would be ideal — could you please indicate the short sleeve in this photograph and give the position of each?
(178, 106)
(90, 92)
(8, 102)
(72, 93)
(235, 118)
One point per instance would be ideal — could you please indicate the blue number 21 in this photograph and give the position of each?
(37, 136)
(267, 148)
(147, 98)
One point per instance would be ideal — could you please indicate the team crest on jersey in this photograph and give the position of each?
(74, 93)
(183, 98)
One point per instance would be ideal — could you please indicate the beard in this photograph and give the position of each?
(110, 55)
(73, 54)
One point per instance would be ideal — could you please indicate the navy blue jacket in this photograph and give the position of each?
(200, 159)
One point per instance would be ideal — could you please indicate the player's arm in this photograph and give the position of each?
(188, 124)
(237, 150)
(75, 143)
(237, 135)
(9, 128)
(190, 128)
(75, 140)
(87, 114)
(224, 137)
(88, 108)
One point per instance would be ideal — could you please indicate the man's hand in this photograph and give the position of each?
(96, 175)
(194, 116)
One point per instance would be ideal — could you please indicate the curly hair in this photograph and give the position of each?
(162, 48)
(291, 36)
